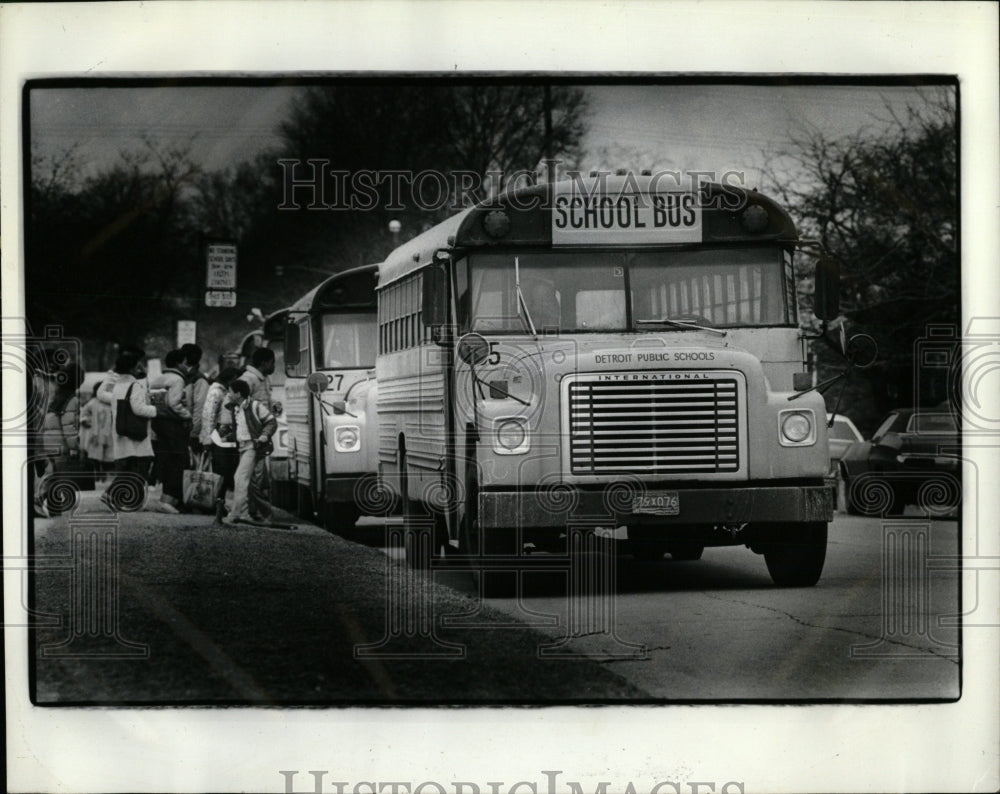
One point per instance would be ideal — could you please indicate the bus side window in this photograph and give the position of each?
(298, 335)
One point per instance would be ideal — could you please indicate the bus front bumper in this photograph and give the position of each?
(677, 507)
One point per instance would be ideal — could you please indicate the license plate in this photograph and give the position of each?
(661, 504)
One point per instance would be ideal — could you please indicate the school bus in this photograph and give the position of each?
(330, 390)
(604, 352)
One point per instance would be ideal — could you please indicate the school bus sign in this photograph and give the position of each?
(624, 217)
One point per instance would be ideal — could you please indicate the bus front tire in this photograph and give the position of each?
(795, 553)
(489, 583)
(689, 551)
(648, 550)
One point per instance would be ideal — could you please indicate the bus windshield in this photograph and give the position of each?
(629, 290)
(349, 340)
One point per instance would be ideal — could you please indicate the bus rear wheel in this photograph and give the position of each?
(340, 517)
(425, 535)
(795, 553)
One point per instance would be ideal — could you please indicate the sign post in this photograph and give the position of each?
(187, 332)
(220, 276)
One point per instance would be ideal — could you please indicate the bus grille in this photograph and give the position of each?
(651, 425)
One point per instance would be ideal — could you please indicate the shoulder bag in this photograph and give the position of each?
(126, 422)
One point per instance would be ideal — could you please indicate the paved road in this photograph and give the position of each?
(718, 629)
(211, 614)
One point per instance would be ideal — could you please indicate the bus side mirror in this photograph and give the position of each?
(434, 300)
(826, 298)
(317, 383)
(473, 349)
(291, 345)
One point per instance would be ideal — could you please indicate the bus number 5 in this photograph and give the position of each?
(494, 358)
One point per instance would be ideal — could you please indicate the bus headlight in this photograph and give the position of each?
(798, 428)
(347, 438)
(510, 435)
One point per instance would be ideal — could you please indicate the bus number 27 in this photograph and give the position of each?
(335, 381)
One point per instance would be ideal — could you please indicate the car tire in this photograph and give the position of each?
(852, 506)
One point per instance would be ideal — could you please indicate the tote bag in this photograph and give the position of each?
(201, 486)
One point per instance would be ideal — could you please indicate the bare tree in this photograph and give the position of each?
(884, 203)
(110, 256)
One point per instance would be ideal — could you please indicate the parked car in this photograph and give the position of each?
(912, 458)
(842, 434)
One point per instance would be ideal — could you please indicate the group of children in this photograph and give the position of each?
(185, 414)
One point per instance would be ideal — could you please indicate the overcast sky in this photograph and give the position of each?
(706, 127)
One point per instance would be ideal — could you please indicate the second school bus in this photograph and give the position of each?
(329, 358)
(605, 353)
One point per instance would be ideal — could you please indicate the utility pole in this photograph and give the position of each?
(547, 108)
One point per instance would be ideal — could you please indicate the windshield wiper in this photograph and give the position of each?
(522, 306)
(682, 324)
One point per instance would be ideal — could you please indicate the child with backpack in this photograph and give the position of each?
(255, 425)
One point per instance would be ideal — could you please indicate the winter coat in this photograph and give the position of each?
(96, 431)
(171, 382)
(195, 393)
(260, 422)
(215, 415)
(107, 387)
(125, 447)
(60, 429)
(260, 386)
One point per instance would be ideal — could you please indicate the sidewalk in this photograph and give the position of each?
(209, 614)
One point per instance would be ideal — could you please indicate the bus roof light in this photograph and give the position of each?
(755, 218)
(496, 223)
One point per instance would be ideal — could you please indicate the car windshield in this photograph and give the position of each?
(884, 427)
(628, 290)
(842, 431)
(349, 340)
